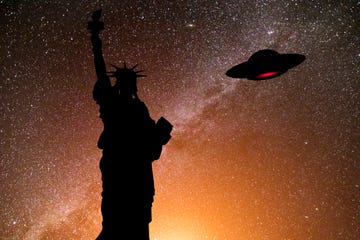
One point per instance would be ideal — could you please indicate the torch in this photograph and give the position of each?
(95, 26)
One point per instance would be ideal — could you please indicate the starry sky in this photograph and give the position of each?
(254, 160)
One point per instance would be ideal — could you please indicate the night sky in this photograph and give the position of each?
(248, 160)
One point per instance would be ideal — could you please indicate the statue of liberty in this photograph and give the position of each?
(131, 140)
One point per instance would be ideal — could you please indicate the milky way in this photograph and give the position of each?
(275, 159)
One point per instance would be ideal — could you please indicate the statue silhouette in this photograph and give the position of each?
(130, 142)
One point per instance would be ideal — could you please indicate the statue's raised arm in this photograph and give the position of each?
(103, 82)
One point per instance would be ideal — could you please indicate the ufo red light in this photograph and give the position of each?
(268, 74)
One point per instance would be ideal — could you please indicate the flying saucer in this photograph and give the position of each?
(265, 64)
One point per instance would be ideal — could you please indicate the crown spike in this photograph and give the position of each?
(134, 67)
(117, 68)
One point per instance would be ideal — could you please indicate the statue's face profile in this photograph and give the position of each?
(126, 86)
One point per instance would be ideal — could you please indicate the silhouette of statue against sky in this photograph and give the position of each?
(131, 140)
